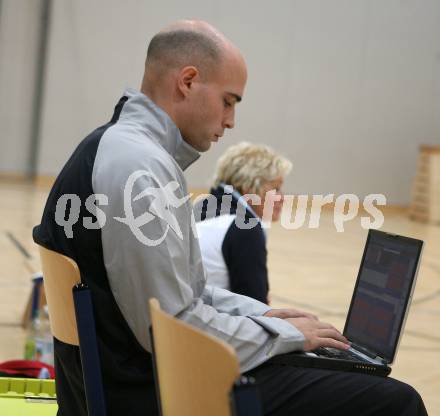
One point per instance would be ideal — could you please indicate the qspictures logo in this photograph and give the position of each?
(162, 198)
(163, 202)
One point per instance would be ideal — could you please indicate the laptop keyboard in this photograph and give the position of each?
(335, 353)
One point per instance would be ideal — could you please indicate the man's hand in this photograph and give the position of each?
(290, 313)
(319, 334)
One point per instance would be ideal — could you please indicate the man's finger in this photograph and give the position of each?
(330, 342)
(332, 333)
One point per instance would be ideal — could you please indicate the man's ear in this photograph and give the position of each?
(187, 76)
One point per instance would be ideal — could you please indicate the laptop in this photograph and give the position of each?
(378, 309)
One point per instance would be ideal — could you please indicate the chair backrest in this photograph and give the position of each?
(60, 275)
(72, 321)
(196, 372)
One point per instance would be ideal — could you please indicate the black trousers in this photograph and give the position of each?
(293, 391)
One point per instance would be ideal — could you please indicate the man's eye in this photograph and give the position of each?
(227, 103)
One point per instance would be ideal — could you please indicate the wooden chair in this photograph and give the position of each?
(72, 321)
(197, 374)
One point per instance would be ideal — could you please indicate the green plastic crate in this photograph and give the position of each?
(27, 396)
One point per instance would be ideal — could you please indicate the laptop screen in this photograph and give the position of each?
(382, 292)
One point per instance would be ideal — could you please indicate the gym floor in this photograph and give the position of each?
(310, 269)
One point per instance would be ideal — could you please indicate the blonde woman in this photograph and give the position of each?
(232, 238)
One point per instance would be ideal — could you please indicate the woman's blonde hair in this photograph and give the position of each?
(247, 167)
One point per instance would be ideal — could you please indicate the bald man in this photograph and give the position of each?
(134, 240)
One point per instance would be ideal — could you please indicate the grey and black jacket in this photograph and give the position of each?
(140, 243)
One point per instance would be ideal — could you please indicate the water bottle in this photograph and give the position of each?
(39, 342)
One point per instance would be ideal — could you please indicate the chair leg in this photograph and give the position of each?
(88, 346)
(245, 399)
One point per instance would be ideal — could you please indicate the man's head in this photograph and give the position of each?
(197, 76)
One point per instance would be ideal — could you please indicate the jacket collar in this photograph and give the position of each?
(237, 198)
(146, 115)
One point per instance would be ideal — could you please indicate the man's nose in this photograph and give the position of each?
(229, 121)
